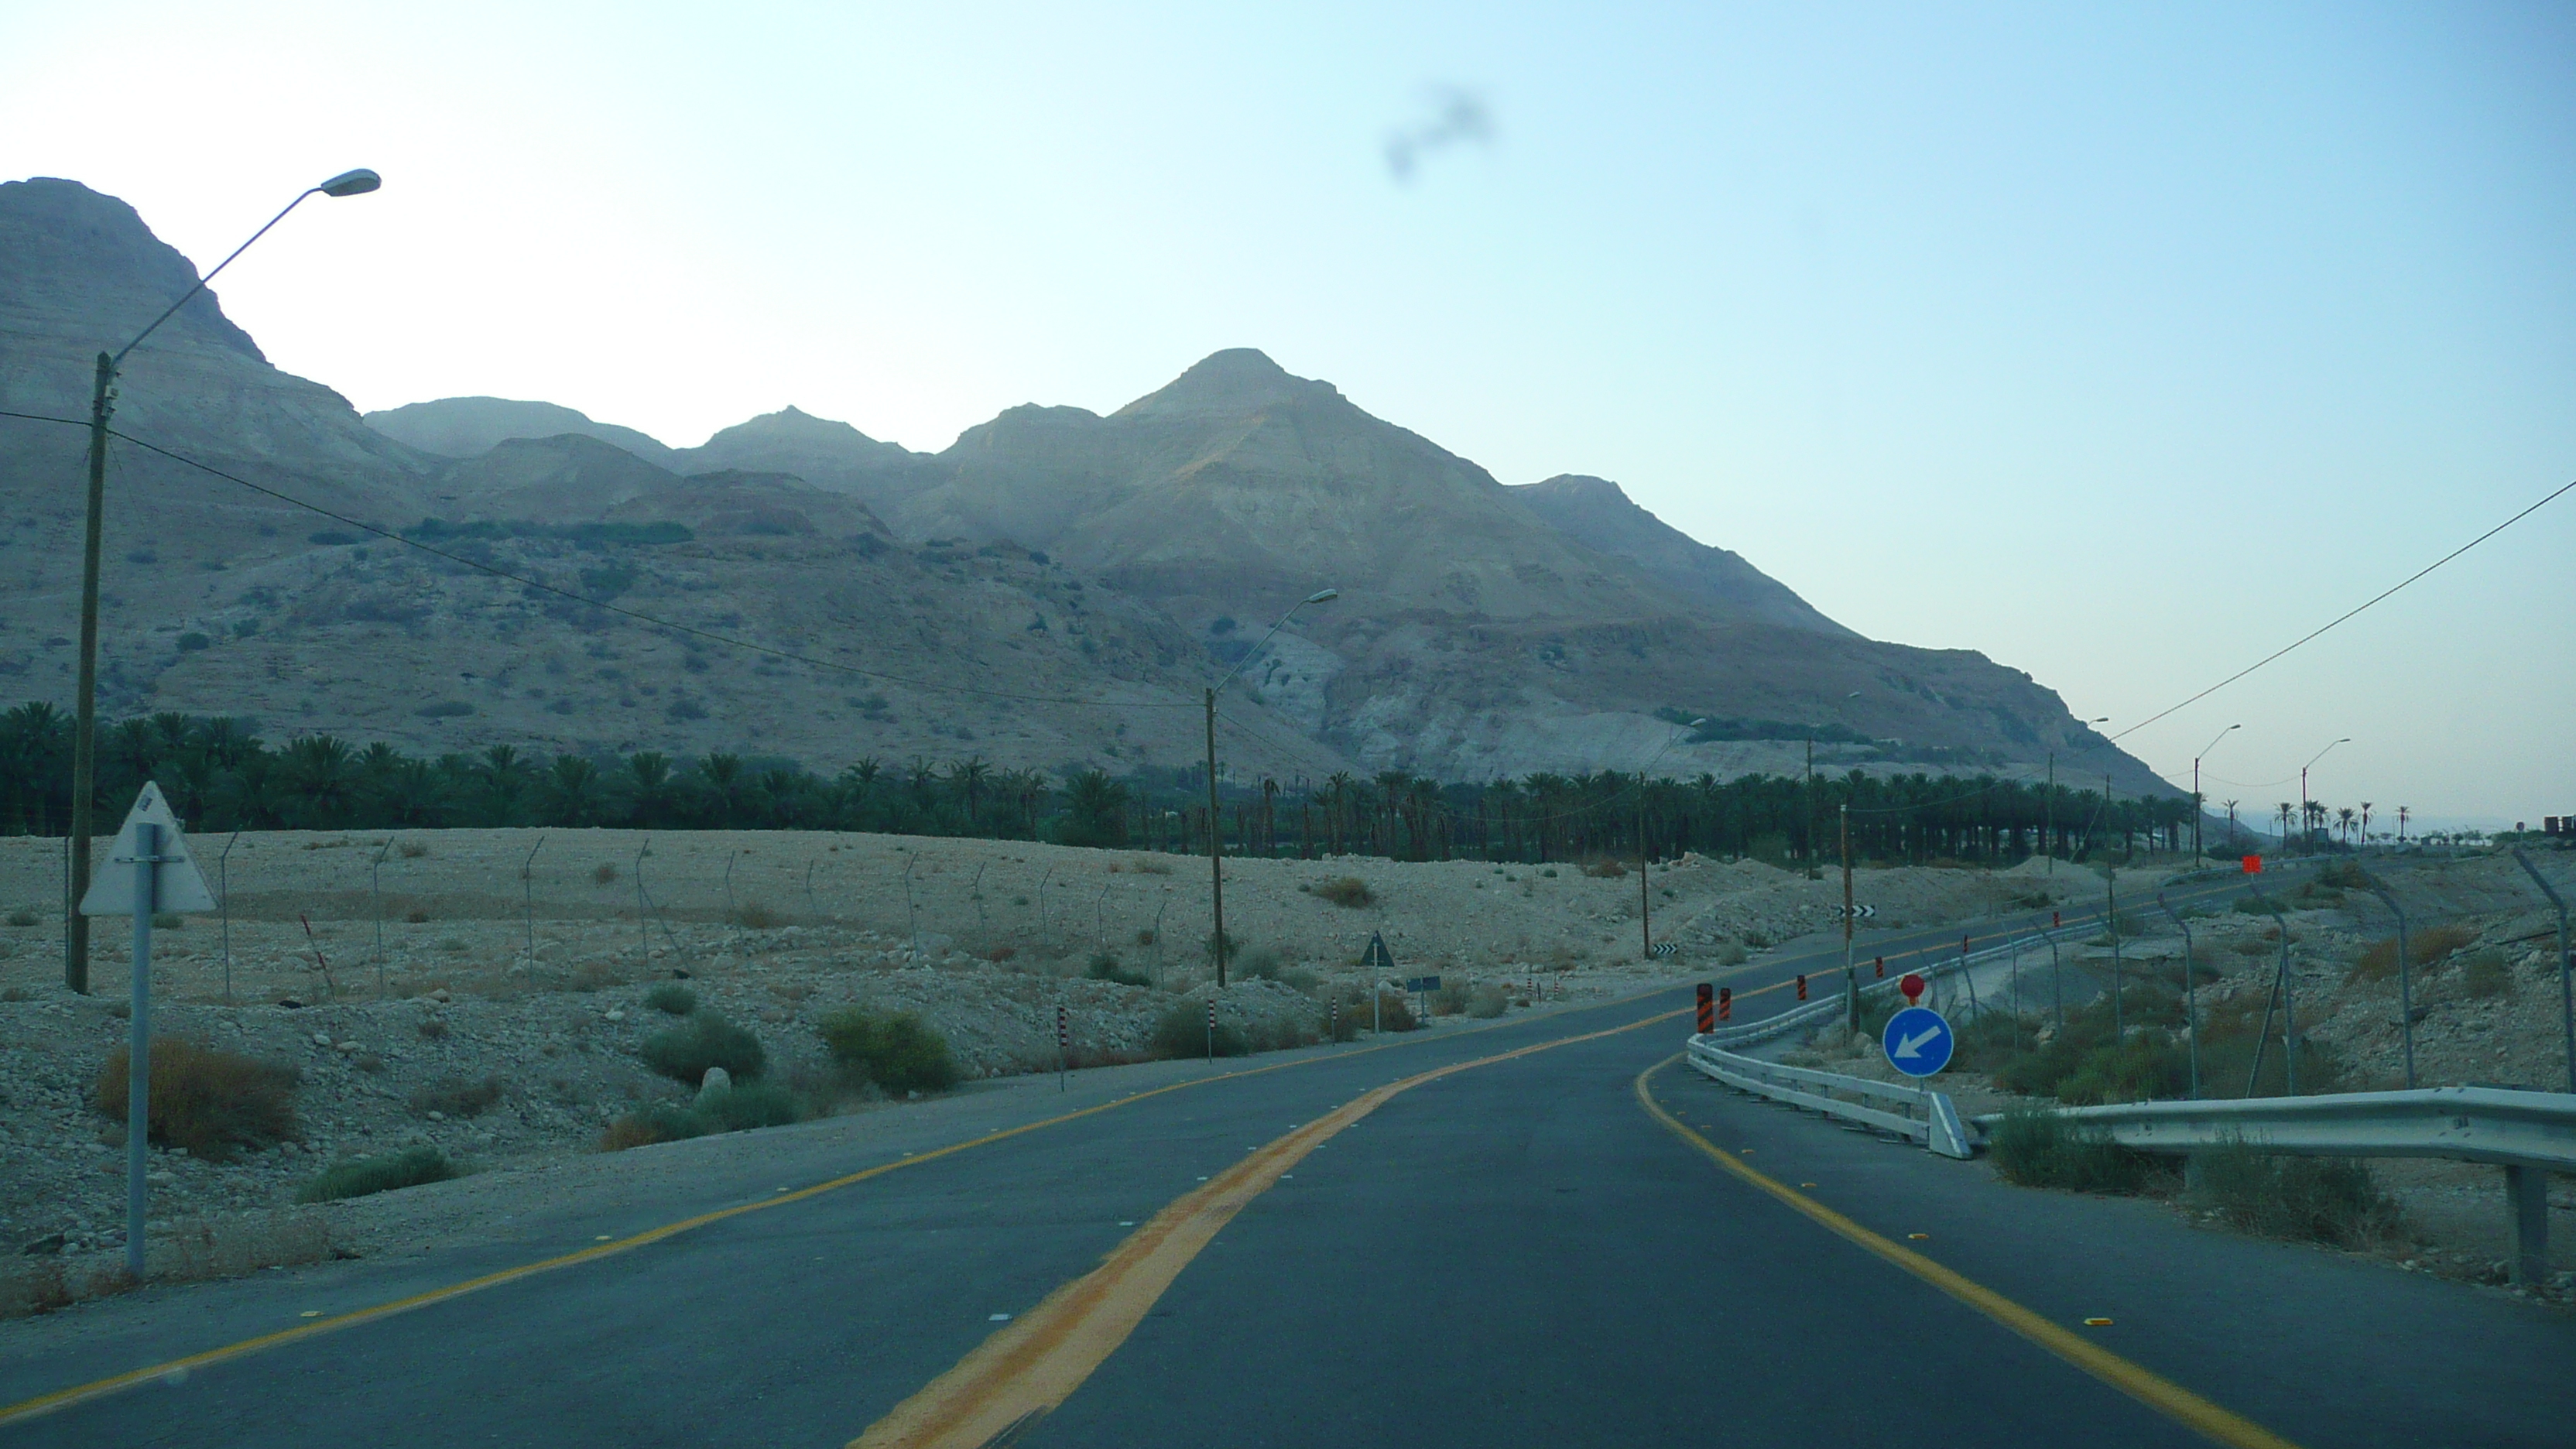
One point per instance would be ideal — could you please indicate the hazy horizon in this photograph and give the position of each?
(2122, 349)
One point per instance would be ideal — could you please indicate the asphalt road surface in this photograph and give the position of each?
(1340, 1246)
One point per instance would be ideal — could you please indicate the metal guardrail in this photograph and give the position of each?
(1819, 1012)
(2529, 1134)
(1920, 1114)
(2467, 1124)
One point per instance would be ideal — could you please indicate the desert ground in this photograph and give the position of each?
(398, 973)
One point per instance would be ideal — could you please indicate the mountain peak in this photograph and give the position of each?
(1235, 380)
(83, 261)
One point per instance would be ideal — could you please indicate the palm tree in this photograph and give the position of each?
(650, 771)
(319, 781)
(967, 779)
(572, 791)
(2343, 822)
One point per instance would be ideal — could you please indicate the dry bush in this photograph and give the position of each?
(40, 1286)
(605, 874)
(433, 1028)
(198, 1250)
(1147, 865)
(2485, 974)
(757, 917)
(1487, 1001)
(1345, 890)
(416, 916)
(595, 976)
(2379, 961)
(413, 849)
(1604, 869)
(1000, 954)
(208, 1102)
(457, 1097)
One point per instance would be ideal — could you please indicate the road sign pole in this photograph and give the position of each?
(138, 1068)
(1851, 979)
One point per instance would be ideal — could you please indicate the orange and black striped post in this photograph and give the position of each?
(1882, 968)
(1707, 1009)
(1802, 986)
(1725, 1003)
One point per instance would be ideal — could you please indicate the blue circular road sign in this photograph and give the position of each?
(1918, 1041)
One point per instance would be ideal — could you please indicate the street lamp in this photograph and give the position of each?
(2304, 839)
(2196, 811)
(85, 721)
(1216, 837)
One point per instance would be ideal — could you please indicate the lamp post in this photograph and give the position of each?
(2196, 811)
(102, 403)
(1216, 837)
(2303, 792)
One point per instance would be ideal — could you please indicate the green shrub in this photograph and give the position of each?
(672, 998)
(1732, 953)
(897, 1051)
(1183, 1032)
(22, 917)
(457, 1097)
(2484, 975)
(1488, 1001)
(1104, 967)
(1450, 999)
(659, 1122)
(1394, 1011)
(207, 1102)
(2042, 1149)
(360, 1176)
(702, 1040)
(2304, 1199)
(753, 1104)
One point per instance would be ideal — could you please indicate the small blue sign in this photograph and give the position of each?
(1918, 1041)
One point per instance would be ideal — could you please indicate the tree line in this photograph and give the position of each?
(220, 776)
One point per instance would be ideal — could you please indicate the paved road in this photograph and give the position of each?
(1515, 1252)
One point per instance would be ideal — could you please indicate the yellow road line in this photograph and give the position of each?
(101, 1388)
(2149, 1388)
(1022, 1372)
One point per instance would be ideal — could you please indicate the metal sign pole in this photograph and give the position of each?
(138, 1070)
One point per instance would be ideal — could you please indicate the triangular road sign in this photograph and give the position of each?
(1377, 958)
(177, 884)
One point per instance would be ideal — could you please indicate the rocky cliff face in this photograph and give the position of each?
(1052, 589)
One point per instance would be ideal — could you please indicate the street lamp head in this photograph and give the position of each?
(1697, 723)
(351, 183)
(1323, 596)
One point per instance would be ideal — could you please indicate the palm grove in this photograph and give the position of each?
(220, 776)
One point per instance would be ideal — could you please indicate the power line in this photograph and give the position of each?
(2553, 496)
(639, 616)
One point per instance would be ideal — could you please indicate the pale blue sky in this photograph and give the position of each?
(2122, 346)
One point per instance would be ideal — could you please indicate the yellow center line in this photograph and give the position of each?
(1022, 1372)
(2147, 1387)
(101, 1388)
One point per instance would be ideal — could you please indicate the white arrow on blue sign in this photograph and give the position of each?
(1918, 1041)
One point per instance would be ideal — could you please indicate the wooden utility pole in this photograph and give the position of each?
(1216, 849)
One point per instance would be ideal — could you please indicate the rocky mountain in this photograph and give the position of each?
(1052, 589)
(468, 427)
(1601, 517)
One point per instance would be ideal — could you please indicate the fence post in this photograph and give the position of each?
(2526, 1192)
(2191, 1002)
(2405, 981)
(2566, 994)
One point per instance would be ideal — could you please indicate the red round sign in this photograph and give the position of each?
(1912, 986)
